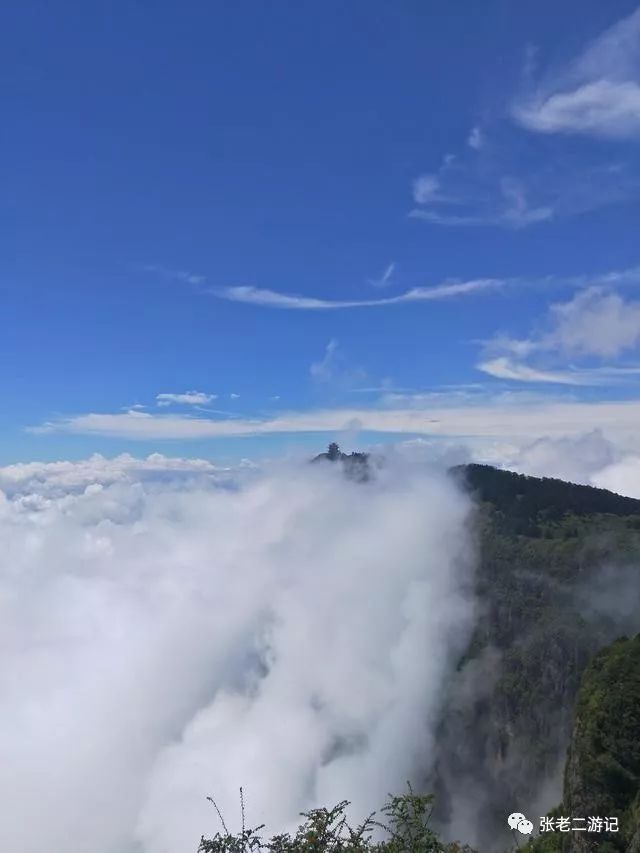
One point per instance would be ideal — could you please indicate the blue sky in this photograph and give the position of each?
(202, 200)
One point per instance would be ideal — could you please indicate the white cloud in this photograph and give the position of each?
(531, 191)
(334, 369)
(446, 290)
(601, 108)
(576, 459)
(597, 95)
(141, 425)
(472, 198)
(272, 299)
(622, 476)
(234, 396)
(508, 217)
(188, 398)
(504, 367)
(386, 278)
(161, 645)
(514, 184)
(594, 323)
(323, 370)
(587, 458)
(54, 479)
(500, 419)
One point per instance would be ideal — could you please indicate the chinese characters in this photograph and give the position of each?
(579, 824)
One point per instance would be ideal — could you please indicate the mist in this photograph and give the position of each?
(590, 458)
(169, 631)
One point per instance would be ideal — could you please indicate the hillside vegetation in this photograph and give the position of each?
(602, 774)
(403, 823)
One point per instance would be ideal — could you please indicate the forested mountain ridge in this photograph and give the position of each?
(529, 504)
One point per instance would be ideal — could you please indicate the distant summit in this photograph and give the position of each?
(356, 465)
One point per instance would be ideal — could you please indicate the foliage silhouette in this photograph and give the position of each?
(404, 829)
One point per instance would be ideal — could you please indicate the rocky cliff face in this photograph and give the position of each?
(558, 565)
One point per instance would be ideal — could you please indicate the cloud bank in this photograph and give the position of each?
(165, 639)
(499, 418)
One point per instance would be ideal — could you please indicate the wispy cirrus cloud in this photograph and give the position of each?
(323, 370)
(597, 94)
(447, 290)
(334, 370)
(508, 368)
(386, 278)
(503, 177)
(505, 186)
(273, 299)
(462, 194)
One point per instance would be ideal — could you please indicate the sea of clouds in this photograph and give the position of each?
(170, 631)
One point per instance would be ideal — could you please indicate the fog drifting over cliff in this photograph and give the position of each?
(171, 631)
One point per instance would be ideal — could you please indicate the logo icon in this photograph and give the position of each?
(518, 821)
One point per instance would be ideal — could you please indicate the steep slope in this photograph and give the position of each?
(557, 579)
(602, 775)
